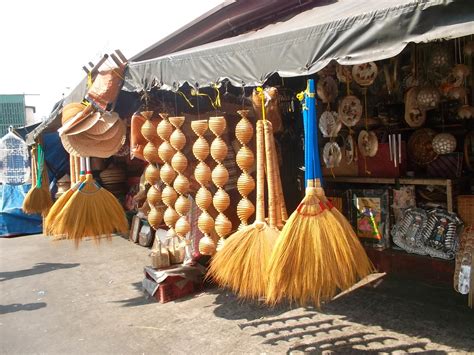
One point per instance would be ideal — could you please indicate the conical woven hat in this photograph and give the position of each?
(95, 124)
(70, 110)
(82, 145)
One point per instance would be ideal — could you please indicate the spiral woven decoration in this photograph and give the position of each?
(152, 172)
(202, 173)
(220, 176)
(167, 173)
(245, 160)
(181, 183)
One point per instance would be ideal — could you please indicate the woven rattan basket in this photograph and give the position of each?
(466, 209)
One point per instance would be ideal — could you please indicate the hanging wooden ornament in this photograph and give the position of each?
(181, 183)
(167, 173)
(153, 196)
(245, 160)
(220, 176)
(202, 174)
(150, 153)
(152, 174)
(148, 128)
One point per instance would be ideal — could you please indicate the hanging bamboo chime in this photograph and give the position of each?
(220, 176)
(202, 173)
(167, 173)
(150, 152)
(181, 183)
(245, 160)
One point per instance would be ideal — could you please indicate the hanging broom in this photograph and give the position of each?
(50, 220)
(91, 211)
(241, 264)
(313, 258)
(38, 199)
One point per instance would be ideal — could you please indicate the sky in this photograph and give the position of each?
(45, 43)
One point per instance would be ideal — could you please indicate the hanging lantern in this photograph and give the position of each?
(466, 112)
(444, 143)
(428, 98)
(439, 57)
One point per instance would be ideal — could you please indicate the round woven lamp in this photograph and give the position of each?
(444, 143)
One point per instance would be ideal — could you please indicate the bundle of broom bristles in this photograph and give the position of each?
(314, 256)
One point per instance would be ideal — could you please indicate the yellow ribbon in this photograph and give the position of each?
(185, 98)
(195, 92)
(217, 101)
(262, 96)
(89, 79)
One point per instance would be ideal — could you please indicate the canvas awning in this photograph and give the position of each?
(348, 31)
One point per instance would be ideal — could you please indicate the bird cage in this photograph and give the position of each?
(14, 160)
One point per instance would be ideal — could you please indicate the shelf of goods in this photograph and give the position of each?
(449, 184)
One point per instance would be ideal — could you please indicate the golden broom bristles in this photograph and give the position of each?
(242, 262)
(50, 220)
(91, 211)
(317, 253)
(38, 199)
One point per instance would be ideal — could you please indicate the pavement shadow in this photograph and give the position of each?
(39, 268)
(410, 308)
(17, 307)
(230, 307)
(140, 300)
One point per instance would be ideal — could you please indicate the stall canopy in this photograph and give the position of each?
(348, 31)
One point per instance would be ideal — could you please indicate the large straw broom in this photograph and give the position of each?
(313, 258)
(241, 264)
(38, 198)
(50, 220)
(91, 211)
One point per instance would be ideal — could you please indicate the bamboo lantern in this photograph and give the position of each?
(152, 172)
(167, 173)
(202, 173)
(245, 160)
(148, 130)
(181, 183)
(220, 176)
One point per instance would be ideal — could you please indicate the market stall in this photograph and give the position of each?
(393, 124)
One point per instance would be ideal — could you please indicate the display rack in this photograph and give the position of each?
(449, 184)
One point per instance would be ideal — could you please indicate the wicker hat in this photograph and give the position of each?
(94, 124)
(70, 110)
(368, 143)
(83, 145)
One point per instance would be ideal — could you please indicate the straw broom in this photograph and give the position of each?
(241, 264)
(312, 259)
(50, 220)
(91, 211)
(38, 198)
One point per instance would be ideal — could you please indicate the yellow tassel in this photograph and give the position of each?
(241, 264)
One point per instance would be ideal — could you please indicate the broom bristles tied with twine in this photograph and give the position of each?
(241, 264)
(38, 199)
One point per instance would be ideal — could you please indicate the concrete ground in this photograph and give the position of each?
(55, 299)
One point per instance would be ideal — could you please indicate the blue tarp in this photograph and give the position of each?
(12, 220)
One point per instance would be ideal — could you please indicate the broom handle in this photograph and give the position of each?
(88, 165)
(33, 167)
(72, 169)
(260, 203)
(78, 168)
(281, 197)
(270, 174)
